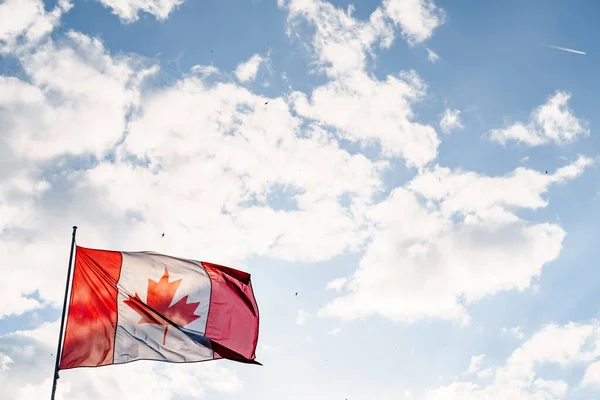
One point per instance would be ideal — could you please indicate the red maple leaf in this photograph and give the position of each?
(158, 310)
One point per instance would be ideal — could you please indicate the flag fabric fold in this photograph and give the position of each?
(128, 306)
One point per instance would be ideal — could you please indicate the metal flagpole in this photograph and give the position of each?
(62, 321)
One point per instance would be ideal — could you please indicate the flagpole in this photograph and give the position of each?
(62, 321)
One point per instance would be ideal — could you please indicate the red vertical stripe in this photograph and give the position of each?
(92, 318)
(232, 323)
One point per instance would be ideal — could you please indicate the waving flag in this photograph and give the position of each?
(128, 306)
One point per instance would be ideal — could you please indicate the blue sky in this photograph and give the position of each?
(438, 225)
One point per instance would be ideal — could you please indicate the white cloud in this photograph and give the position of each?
(450, 121)
(592, 375)
(417, 19)
(226, 132)
(432, 56)
(551, 122)
(129, 10)
(46, 334)
(361, 108)
(380, 112)
(449, 238)
(183, 138)
(301, 317)
(246, 71)
(476, 367)
(25, 22)
(515, 331)
(341, 43)
(174, 132)
(337, 284)
(5, 361)
(334, 332)
(73, 85)
(475, 364)
(205, 70)
(567, 346)
(203, 158)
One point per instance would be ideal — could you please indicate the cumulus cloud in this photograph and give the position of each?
(552, 122)
(203, 158)
(380, 111)
(225, 132)
(73, 103)
(341, 43)
(417, 19)
(181, 140)
(25, 22)
(129, 10)
(450, 121)
(449, 238)
(132, 203)
(246, 71)
(87, 140)
(567, 346)
(73, 84)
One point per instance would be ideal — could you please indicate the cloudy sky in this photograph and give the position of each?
(423, 174)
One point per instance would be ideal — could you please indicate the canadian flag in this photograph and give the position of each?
(128, 306)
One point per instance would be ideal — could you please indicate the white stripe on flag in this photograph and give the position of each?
(135, 340)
